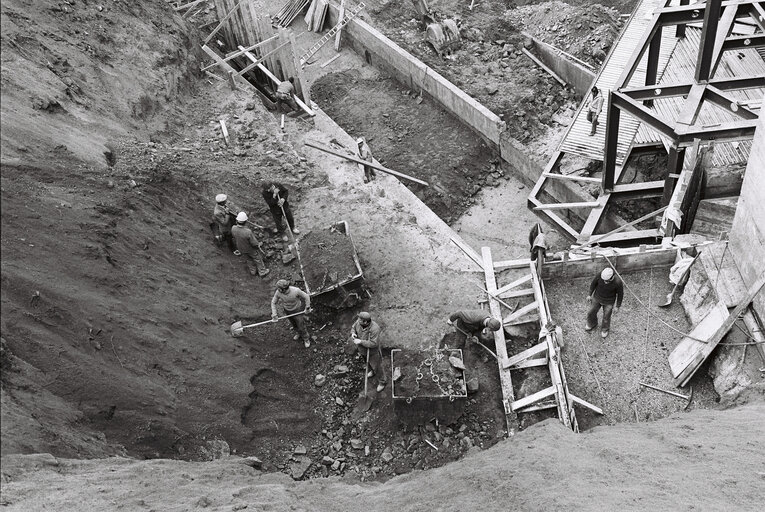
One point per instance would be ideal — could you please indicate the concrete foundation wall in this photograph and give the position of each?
(383, 53)
(577, 76)
(747, 236)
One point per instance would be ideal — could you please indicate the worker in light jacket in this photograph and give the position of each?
(365, 334)
(606, 291)
(365, 154)
(293, 300)
(594, 107)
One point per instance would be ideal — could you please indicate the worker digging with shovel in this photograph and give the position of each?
(365, 335)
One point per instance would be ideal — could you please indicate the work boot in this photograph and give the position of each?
(381, 386)
(285, 238)
(295, 231)
(307, 343)
(264, 273)
(370, 374)
(296, 337)
(588, 328)
(603, 334)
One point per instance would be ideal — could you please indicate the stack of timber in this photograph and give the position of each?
(237, 18)
(317, 15)
(289, 12)
(696, 348)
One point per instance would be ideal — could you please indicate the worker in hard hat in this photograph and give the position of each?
(475, 322)
(365, 334)
(248, 246)
(277, 199)
(223, 221)
(606, 291)
(293, 300)
(365, 154)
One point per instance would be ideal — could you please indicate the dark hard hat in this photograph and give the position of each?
(493, 324)
(365, 316)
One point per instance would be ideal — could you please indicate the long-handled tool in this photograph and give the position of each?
(237, 329)
(687, 272)
(474, 339)
(365, 401)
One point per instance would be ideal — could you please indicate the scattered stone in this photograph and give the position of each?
(339, 401)
(253, 462)
(386, 456)
(336, 465)
(457, 363)
(367, 451)
(203, 502)
(300, 450)
(327, 460)
(339, 369)
(472, 385)
(319, 380)
(466, 442)
(396, 373)
(430, 427)
(299, 468)
(446, 443)
(356, 444)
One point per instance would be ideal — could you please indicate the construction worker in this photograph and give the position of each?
(276, 196)
(475, 322)
(365, 154)
(293, 300)
(222, 222)
(594, 106)
(365, 334)
(606, 291)
(248, 246)
(284, 92)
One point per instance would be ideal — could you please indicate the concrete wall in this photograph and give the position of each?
(747, 236)
(577, 76)
(383, 53)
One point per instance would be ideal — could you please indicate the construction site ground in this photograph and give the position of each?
(117, 305)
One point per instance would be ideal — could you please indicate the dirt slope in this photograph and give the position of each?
(706, 460)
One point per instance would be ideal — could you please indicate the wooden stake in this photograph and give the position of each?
(231, 81)
(282, 124)
(224, 131)
(220, 25)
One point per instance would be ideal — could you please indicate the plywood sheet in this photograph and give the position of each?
(723, 274)
(687, 350)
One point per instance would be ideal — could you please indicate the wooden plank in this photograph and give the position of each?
(524, 292)
(339, 34)
(520, 312)
(238, 53)
(370, 164)
(222, 22)
(543, 66)
(571, 177)
(522, 280)
(685, 376)
(508, 395)
(623, 227)
(540, 407)
(566, 206)
(585, 403)
(333, 59)
(224, 131)
(530, 363)
(526, 319)
(532, 398)
(526, 354)
(508, 264)
(757, 333)
(469, 252)
(727, 281)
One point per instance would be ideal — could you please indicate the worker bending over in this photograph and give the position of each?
(606, 291)
(284, 92)
(248, 246)
(475, 322)
(276, 196)
(293, 300)
(365, 334)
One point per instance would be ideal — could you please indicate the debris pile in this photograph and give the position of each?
(428, 373)
(327, 257)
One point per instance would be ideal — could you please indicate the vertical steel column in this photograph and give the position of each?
(708, 35)
(680, 30)
(674, 167)
(612, 141)
(652, 66)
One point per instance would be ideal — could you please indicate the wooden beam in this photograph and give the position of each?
(239, 53)
(519, 313)
(570, 177)
(623, 227)
(566, 206)
(641, 190)
(224, 131)
(682, 379)
(521, 280)
(543, 66)
(511, 294)
(220, 25)
(255, 62)
(540, 407)
(507, 264)
(508, 395)
(532, 398)
(526, 354)
(754, 327)
(370, 164)
(531, 363)
(631, 235)
(585, 403)
(557, 221)
(190, 4)
(469, 252)
(594, 218)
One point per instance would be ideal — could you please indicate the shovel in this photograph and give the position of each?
(671, 294)
(365, 401)
(237, 329)
(474, 339)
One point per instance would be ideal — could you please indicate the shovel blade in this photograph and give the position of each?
(362, 406)
(668, 302)
(236, 329)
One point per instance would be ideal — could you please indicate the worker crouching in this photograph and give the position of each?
(476, 322)
(365, 334)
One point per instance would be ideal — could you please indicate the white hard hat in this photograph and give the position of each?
(221, 198)
(360, 140)
(607, 274)
(241, 217)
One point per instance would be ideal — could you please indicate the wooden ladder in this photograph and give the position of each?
(331, 33)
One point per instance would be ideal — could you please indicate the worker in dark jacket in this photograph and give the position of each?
(365, 334)
(606, 291)
(248, 246)
(475, 322)
(284, 92)
(276, 196)
(223, 221)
